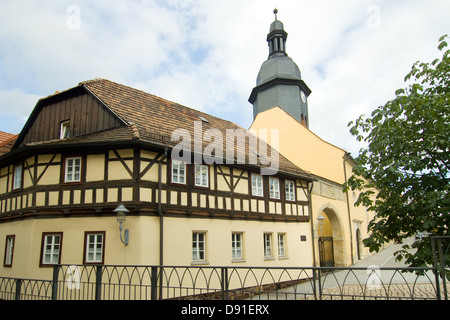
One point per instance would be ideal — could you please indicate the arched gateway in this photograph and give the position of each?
(330, 238)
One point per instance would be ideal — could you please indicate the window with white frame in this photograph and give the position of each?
(198, 246)
(65, 130)
(201, 176)
(281, 245)
(257, 185)
(268, 245)
(274, 188)
(51, 248)
(236, 246)
(94, 247)
(72, 170)
(290, 190)
(9, 250)
(17, 181)
(178, 172)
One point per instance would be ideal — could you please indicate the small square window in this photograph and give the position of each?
(51, 248)
(178, 172)
(274, 188)
(73, 170)
(198, 247)
(94, 247)
(65, 130)
(282, 245)
(237, 239)
(268, 246)
(290, 191)
(9, 250)
(17, 180)
(201, 176)
(257, 185)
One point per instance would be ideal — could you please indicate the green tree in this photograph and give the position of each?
(403, 173)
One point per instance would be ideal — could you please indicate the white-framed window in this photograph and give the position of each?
(94, 247)
(268, 246)
(237, 239)
(178, 172)
(274, 188)
(257, 185)
(72, 169)
(201, 176)
(290, 190)
(282, 245)
(9, 250)
(17, 181)
(199, 246)
(64, 131)
(51, 248)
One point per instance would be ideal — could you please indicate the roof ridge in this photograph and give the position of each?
(169, 103)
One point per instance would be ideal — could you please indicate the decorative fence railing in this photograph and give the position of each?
(103, 282)
(226, 283)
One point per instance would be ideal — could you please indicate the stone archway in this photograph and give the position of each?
(332, 230)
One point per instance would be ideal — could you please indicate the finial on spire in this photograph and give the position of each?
(275, 11)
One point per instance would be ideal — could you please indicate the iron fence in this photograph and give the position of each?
(107, 282)
(226, 283)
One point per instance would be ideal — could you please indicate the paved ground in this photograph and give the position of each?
(373, 280)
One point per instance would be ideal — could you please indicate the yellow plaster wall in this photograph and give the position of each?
(309, 152)
(4, 179)
(95, 167)
(301, 146)
(178, 242)
(143, 247)
(51, 175)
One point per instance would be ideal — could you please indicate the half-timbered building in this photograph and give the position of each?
(88, 149)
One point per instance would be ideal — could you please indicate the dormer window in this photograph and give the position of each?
(65, 130)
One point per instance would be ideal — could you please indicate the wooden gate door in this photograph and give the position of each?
(326, 252)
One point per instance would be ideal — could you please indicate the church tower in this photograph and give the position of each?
(279, 82)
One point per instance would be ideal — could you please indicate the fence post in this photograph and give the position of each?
(98, 283)
(154, 284)
(224, 283)
(442, 266)
(18, 288)
(314, 286)
(320, 284)
(55, 282)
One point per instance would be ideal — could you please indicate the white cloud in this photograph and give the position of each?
(206, 54)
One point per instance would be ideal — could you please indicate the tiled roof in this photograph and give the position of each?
(155, 119)
(5, 136)
(6, 141)
(151, 119)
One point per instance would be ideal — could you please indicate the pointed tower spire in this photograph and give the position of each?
(277, 37)
(279, 82)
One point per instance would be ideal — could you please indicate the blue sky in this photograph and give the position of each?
(206, 54)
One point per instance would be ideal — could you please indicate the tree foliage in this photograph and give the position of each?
(403, 173)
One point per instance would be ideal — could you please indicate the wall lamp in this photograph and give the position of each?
(122, 211)
(320, 221)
